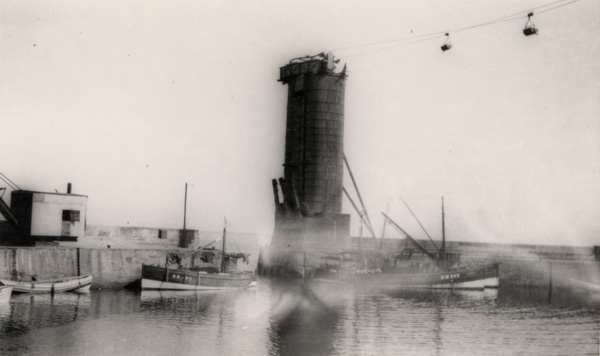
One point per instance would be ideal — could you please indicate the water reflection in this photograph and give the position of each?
(177, 305)
(227, 322)
(557, 297)
(303, 320)
(28, 312)
(298, 319)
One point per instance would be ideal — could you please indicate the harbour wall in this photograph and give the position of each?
(111, 268)
(490, 252)
(529, 266)
(108, 236)
(114, 254)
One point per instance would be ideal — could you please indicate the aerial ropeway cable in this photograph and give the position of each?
(529, 30)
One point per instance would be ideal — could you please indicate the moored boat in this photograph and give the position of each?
(441, 271)
(203, 269)
(80, 284)
(465, 278)
(593, 287)
(5, 293)
(163, 278)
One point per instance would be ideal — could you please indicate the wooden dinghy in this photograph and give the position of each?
(5, 292)
(79, 284)
(586, 285)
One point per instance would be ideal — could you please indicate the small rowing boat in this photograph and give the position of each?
(586, 285)
(80, 284)
(5, 292)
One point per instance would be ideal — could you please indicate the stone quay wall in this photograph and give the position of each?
(111, 268)
(520, 265)
(114, 254)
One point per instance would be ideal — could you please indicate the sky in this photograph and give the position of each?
(131, 100)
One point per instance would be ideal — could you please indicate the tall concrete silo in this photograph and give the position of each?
(315, 134)
(308, 197)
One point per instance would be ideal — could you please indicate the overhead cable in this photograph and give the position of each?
(409, 40)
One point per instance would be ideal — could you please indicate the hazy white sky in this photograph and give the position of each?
(128, 100)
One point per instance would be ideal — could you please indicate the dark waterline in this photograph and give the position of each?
(292, 319)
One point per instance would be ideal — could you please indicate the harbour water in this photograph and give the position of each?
(277, 318)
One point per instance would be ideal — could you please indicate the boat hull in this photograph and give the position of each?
(469, 279)
(586, 285)
(5, 293)
(160, 278)
(80, 284)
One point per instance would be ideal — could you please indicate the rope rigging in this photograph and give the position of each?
(12, 185)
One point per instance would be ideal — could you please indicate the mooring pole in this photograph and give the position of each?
(304, 266)
(78, 262)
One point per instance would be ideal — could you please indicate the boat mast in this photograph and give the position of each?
(224, 234)
(360, 232)
(443, 232)
(184, 211)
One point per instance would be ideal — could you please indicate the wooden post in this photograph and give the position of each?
(304, 266)
(78, 262)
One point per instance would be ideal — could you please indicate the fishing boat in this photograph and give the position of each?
(438, 273)
(203, 269)
(79, 284)
(466, 278)
(163, 278)
(5, 292)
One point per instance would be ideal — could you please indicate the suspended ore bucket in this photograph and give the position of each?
(530, 26)
(446, 46)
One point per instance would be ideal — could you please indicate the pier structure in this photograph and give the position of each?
(308, 198)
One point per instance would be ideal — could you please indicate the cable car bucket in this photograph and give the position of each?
(530, 28)
(446, 46)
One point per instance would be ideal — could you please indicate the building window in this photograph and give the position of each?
(70, 215)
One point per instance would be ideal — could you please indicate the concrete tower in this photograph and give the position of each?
(308, 198)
